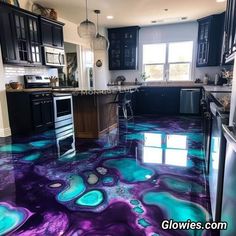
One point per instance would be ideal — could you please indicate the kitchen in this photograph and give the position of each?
(114, 121)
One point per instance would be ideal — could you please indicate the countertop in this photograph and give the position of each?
(222, 99)
(212, 88)
(80, 91)
(29, 90)
(172, 84)
(128, 88)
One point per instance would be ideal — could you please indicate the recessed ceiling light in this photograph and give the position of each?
(110, 17)
(220, 0)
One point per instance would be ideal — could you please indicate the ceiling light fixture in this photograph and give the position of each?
(110, 17)
(87, 29)
(99, 42)
(220, 0)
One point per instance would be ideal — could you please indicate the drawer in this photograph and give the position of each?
(41, 95)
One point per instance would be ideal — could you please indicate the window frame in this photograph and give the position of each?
(166, 64)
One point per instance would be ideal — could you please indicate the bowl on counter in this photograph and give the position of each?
(15, 85)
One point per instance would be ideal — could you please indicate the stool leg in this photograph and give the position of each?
(131, 111)
(124, 111)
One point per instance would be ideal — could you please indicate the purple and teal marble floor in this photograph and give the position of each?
(124, 184)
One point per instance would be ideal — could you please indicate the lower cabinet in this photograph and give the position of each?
(157, 101)
(42, 112)
(30, 112)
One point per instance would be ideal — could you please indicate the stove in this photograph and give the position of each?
(35, 81)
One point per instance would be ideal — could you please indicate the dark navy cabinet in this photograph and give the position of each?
(52, 33)
(157, 101)
(20, 39)
(123, 50)
(30, 112)
(23, 34)
(230, 31)
(210, 38)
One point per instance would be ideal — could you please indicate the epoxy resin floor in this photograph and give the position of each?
(124, 184)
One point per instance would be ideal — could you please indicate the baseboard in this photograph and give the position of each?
(5, 132)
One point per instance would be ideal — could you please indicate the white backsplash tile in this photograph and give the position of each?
(16, 73)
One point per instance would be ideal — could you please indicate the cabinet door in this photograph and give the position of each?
(203, 49)
(130, 58)
(47, 112)
(8, 43)
(232, 39)
(58, 36)
(171, 103)
(38, 121)
(115, 52)
(47, 33)
(150, 101)
(22, 40)
(34, 40)
(203, 42)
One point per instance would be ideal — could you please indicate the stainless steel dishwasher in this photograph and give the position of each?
(190, 101)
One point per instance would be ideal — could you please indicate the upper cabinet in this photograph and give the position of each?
(52, 33)
(123, 50)
(20, 40)
(210, 36)
(24, 33)
(230, 31)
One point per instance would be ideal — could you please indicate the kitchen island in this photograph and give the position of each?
(95, 110)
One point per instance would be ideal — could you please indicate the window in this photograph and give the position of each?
(172, 61)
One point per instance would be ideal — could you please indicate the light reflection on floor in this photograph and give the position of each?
(124, 184)
(165, 149)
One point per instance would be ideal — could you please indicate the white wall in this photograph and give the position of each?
(102, 75)
(165, 34)
(4, 119)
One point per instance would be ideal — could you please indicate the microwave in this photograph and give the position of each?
(54, 57)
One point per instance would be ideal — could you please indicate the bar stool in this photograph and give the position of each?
(124, 102)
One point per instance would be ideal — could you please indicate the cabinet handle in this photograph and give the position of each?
(59, 58)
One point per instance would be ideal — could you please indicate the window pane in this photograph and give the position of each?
(179, 71)
(155, 72)
(152, 139)
(177, 141)
(176, 157)
(180, 52)
(152, 155)
(154, 53)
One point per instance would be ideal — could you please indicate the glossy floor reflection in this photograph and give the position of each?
(124, 184)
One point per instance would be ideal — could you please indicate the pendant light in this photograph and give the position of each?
(87, 29)
(99, 42)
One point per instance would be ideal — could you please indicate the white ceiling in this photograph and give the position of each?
(135, 12)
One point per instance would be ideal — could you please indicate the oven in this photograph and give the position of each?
(63, 108)
(54, 57)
